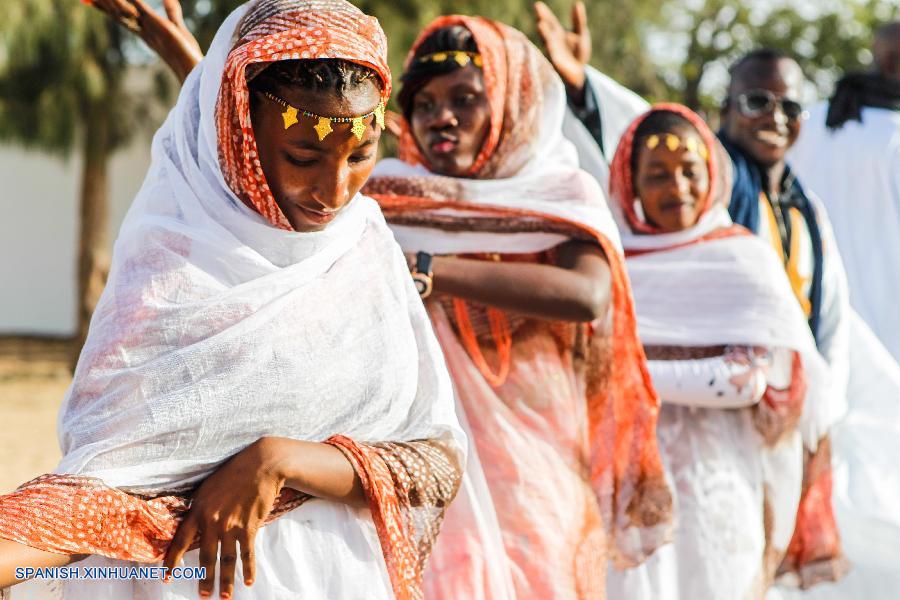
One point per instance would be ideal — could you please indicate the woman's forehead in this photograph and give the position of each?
(358, 100)
(466, 77)
(780, 77)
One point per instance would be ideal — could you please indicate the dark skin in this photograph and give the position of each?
(167, 35)
(568, 51)
(450, 120)
(450, 117)
(308, 178)
(671, 184)
(886, 50)
(766, 138)
(228, 509)
(313, 180)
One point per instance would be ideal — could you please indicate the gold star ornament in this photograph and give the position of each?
(290, 117)
(323, 127)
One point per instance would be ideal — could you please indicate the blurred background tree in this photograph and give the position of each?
(696, 40)
(62, 70)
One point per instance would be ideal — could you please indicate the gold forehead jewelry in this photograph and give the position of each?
(673, 143)
(323, 126)
(461, 57)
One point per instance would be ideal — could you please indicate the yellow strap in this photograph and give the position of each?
(792, 264)
(798, 281)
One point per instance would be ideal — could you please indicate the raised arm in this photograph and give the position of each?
(568, 51)
(167, 35)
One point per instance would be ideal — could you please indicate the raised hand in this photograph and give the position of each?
(568, 51)
(167, 35)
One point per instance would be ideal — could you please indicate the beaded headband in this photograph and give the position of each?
(673, 143)
(461, 57)
(323, 127)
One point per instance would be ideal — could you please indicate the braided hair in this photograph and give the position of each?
(315, 75)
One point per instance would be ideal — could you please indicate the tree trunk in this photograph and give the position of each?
(692, 92)
(93, 238)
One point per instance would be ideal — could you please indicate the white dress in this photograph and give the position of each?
(723, 475)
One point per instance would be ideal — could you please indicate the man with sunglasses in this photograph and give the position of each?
(849, 152)
(761, 119)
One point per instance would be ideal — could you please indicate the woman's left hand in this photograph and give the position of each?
(228, 509)
(167, 35)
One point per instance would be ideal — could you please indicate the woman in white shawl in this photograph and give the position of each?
(259, 351)
(734, 362)
(525, 255)
(533, 311)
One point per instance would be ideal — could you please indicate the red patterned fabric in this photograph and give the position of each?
(815, 553)
(68, 514)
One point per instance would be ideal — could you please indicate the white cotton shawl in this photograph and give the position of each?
(216, 328)
(727, 291)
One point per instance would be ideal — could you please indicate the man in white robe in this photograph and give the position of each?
(849, 153)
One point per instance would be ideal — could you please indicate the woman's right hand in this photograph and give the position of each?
(226, 511)
(568, 51)
(168, 36)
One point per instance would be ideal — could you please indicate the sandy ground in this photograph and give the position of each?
(33, 378)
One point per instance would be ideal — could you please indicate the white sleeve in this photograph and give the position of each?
(834, 329)
(737, 379)
(717, 382)
(619, 106)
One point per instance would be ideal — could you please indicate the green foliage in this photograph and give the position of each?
(827, 41)
(58, 60)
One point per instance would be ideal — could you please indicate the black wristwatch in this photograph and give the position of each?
(422, 274)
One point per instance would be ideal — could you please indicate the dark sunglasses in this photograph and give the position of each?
(756, 103)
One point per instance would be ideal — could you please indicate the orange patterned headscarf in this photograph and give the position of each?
(621, 179)
(514, 76)
(275, 30)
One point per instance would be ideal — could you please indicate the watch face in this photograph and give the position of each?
(423, 284)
